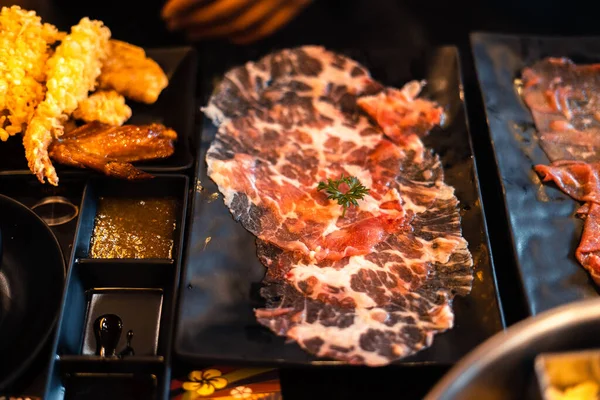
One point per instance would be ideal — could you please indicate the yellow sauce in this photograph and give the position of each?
(134, 228)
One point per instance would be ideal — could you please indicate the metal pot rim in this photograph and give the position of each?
(523, 332)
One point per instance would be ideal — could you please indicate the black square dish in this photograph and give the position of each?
(139, 310)
(139, 294)
(153, 207)
(175, 108)
(544, 230)
(222, 274)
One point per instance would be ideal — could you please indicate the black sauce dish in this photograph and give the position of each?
(32, 275)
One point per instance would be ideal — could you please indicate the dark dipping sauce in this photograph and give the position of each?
(134, 228)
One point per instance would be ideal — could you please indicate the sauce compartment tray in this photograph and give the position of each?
(111, 291)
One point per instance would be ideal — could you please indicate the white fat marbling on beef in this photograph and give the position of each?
(376, 285)
(401, 263)
(271, 173)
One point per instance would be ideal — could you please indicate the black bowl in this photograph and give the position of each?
(503, 366)
(32, 275)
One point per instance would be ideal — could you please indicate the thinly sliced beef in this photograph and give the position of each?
(308, 71)
(269, 175)
(588, 252)
(572, 145)
(396, 297)
(371, 336)
(376, 284)
(565, 104)
(581, 181)
(367, 335)
(400, 263)
(401, 114)
(578, 179)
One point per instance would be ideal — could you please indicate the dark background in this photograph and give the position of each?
(412, 27)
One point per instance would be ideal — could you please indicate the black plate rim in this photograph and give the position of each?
(478, 188)
(195, 358)
(473, 37)
(50, 331)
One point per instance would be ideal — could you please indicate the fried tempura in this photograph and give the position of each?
(128, 71)
(24, 48)
(71, 74)
(103, 106)
(44, 90)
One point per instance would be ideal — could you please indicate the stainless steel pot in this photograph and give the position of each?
(503, 366)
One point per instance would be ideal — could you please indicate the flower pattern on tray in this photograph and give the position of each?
(227, 383)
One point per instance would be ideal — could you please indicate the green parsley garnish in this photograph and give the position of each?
(356, 191)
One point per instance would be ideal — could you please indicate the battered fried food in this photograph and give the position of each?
(128, 71)
(44, 90)
(106, 106)
(110, 149)
(71, 73)
(24, 48)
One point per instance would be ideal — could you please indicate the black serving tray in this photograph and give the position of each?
(143, 292)
(222, 275)
(544, 230)
(114, 386)
(175, 108)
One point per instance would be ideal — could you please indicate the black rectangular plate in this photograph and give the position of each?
(544, 231)
(222, 275)
(174, 108)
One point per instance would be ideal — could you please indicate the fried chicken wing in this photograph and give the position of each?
(110, 150)
(72, 73)
(128, 71)
(106, 106)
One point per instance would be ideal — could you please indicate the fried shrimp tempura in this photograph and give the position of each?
(71, 74)
(128, 71)
(106, 106)
(24, 48)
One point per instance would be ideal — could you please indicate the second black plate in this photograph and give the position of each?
(544, 231)
(223, 276)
